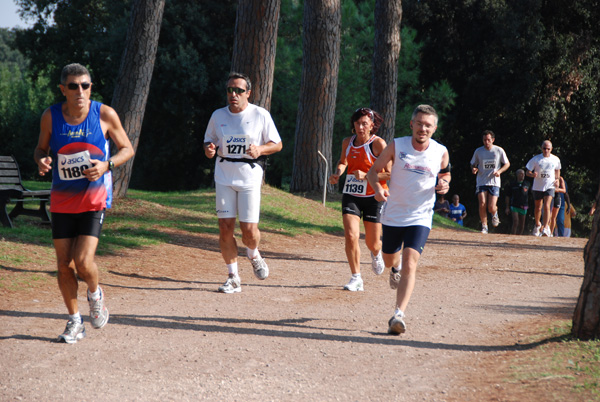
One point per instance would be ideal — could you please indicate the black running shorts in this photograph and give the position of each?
(68, 226)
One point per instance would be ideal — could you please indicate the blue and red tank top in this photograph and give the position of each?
(71, 149)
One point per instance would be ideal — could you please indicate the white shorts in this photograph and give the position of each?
(241, 201)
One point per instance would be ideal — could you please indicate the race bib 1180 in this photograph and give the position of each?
(71, 167)
(354, 186)
(235, 145)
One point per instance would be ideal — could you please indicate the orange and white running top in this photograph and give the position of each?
(360, 158)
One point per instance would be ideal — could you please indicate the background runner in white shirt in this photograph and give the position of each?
(545, 170)
(488, 163)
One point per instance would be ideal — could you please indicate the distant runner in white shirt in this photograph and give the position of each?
(488, 163)
(240, 135)
(545, 170)
(421, 168)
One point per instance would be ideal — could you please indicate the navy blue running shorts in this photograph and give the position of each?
(413, 237)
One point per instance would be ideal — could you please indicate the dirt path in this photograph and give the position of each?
(296, 336)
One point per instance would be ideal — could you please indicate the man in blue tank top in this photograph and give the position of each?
(74, 144)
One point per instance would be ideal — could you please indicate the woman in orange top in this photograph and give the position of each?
(358, 155)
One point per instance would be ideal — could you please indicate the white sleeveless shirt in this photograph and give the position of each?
(412, 184)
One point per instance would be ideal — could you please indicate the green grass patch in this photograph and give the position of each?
(144, 217)
(571, 364)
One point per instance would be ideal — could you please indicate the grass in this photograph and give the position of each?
(571, 365)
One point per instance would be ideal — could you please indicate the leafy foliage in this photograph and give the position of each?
(22, 100)
(354, 78)
(521, 69)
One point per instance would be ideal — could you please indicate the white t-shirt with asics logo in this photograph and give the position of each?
(233, 133)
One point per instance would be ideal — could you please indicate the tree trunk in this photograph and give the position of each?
(586, 318)
(318, 92)
(384, 84)
(255, 44)
(133, 80)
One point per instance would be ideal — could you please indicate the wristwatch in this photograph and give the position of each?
(111, 165)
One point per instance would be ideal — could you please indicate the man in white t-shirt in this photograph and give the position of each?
(420, 168)
(545, 170)
(240, 135)
(488, 163)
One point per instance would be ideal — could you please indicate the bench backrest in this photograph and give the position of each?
(10, 176)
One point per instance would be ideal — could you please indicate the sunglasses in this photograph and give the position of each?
(238, 91)
(365, 111)
(73, 86)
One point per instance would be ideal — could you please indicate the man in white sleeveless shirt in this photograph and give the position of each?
(421, 167)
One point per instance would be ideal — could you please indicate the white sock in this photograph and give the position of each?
(252, 253)
(75, 317)
(232, 268)
(356, 275)
(399, 312)
(95, 295)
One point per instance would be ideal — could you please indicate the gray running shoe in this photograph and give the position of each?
(377, 264)
(98, 311)
(233, 284)
(261, 270)
(73, 332)
(395, 277)
(355, 285)
(495, 220)
(396, 325)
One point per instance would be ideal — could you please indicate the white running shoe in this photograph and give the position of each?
(536, 231)
(98, 310)
(233, 284)
(355, 284)
(261, 270)
(74, 331)
(546, 232)
(395, 275)
(484, 229)
(396, 325)
(495, 220)
(377, 264)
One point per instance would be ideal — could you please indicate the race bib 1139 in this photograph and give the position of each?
(354, 186)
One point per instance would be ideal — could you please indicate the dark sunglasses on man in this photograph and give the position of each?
(73, 86)
(238, 91)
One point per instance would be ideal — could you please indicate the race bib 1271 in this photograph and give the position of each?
(235, 145)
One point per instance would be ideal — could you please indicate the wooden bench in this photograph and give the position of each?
(12, 191)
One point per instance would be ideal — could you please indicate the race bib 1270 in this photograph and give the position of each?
(354, 186)
(235, 145)
(71, 167)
